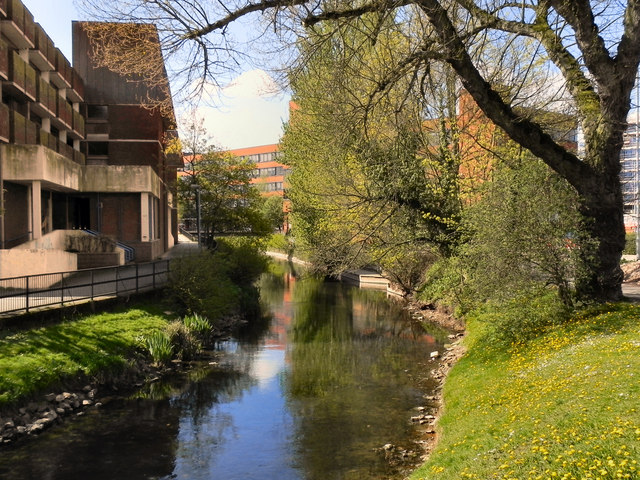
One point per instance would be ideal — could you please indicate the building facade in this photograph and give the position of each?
(630, 176)
(77, 151)
(270, 174)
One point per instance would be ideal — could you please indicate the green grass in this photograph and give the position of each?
(564, 406)
(33, 360)
(630, 244)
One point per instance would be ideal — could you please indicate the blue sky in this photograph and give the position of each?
(244, 115)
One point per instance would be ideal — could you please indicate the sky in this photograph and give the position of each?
(248, 112)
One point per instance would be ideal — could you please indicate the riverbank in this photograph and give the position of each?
(562, 406)
(59, 369)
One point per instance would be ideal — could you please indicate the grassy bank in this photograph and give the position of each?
(564, 406)
(97, 344)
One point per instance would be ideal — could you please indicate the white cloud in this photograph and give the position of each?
(247, 112)
(252, 84)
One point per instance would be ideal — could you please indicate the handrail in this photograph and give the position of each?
(54, 290)
(129, 252)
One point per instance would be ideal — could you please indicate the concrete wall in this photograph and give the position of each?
(55, 240)
(120, 179)
(19, 262)
(97, 260)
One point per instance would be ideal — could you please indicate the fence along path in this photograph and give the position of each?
(53, 290)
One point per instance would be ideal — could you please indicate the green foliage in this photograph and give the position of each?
(445, 284)
(366, 176)
(273, 211)
(523, 236)
(279, 242)
(199, 284)
(186, 345)
(33, 360)
(228, 201)
(630, 244)
(406, 265)
(523, 317)
(199, 326)
(220, 283)
(159, 346)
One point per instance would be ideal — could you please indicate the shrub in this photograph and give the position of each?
(185, 343)
(199, 326)
(159, 346)
(522, 318)
(220, 283)
(198, 284)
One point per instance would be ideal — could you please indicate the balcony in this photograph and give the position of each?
(64, 112)
(19, 27)
(78, 85)
(47, 98)
(30, 82)
(17, 69)
(4, 60)
(62, 76)
(22, 131)
(5, 124)
(39, 56)
(22, 77)
(47, 140)
(78, 123)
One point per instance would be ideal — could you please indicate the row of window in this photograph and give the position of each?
(272, 187)
(265, 157)
(268, 172)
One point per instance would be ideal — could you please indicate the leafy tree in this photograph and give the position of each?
(228, 202)
(523, 237)
(273, 211)
(593, 47)
(364, 188)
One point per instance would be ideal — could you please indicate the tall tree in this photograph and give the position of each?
(594, 45)
(228, 200)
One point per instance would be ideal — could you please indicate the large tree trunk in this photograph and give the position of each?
(603, 209)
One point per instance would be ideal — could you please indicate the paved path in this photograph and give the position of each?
(631, 291)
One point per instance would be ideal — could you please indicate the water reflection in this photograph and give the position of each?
(311, 396)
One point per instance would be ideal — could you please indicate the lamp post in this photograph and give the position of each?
(637, 169)
(196, 187)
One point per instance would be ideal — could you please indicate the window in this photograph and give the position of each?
(97, 112)
(100, 149)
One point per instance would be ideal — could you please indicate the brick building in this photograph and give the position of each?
(77, 151)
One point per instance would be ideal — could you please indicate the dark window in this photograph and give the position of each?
(99, 148)
(97, 112)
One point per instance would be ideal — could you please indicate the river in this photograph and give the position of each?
(314, 390)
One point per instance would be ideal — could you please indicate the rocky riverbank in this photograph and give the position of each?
(405, 459)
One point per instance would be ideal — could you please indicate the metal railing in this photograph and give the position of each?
(53, 290)
(129, 252)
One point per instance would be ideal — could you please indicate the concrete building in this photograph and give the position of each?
(77, 151)
(630, 175)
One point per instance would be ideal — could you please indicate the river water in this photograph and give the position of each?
(330, 375)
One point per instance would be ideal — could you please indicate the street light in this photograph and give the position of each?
(196, 187)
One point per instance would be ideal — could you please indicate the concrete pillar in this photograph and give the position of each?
(145, 234)
(36, 209)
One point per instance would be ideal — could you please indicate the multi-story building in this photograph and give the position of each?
(630, 176)
(77, 151)
(270, 174)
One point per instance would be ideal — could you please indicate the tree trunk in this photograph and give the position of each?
(602, 276)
